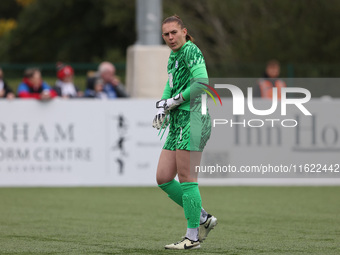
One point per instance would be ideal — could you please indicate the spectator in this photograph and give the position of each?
(270, 80)
(32, 86)
(5, 90)
(92, 76)
(97, 91)
(64, 86)
(112, 85)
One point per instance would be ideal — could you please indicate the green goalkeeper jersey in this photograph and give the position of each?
(183, 65)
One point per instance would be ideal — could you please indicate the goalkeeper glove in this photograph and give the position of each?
(164, 106)
(160, 117)
(171, 103)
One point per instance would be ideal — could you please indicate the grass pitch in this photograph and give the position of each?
(252, 220)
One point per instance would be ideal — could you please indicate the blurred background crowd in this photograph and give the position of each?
(102, 84)
(67, 47)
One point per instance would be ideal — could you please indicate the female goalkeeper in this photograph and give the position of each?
(188, 133)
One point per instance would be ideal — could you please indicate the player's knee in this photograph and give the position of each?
(161, 180)
(184, 177)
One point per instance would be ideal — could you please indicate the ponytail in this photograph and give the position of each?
(188, 37)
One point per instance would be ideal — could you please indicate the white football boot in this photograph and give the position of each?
(185, 244)
(206, 227)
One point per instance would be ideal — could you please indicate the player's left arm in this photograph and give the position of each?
(195, 62)
(198, 70)
(199, 75)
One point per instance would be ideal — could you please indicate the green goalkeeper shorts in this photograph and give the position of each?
(188, 131)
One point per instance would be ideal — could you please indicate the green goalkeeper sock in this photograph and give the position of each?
(174, 190)
(192, 203)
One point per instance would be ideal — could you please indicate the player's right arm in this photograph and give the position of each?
(167, 91)
(161, 116)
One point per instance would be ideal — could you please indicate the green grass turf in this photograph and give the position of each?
(252, 220)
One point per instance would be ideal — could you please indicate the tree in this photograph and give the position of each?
(254, 31)
(230, 33)
(72, 30)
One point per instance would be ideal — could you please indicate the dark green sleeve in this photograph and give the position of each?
(167, 91)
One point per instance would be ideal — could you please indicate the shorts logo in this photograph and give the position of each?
(180, 135)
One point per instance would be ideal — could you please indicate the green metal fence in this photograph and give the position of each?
(14, 72)
(49, 69)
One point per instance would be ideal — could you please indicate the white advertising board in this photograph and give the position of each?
(78, 142)
(112, 143)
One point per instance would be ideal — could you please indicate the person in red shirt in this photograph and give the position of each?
(32, 86)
